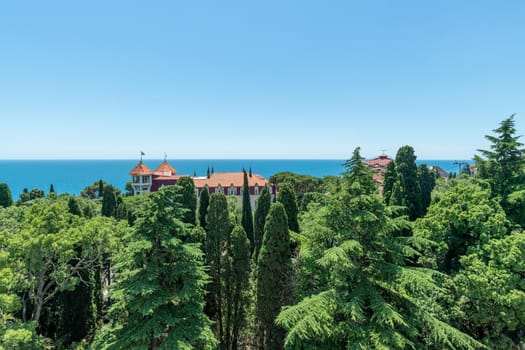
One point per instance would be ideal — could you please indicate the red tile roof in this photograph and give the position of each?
(228, 179)
(165, 169)
(141, 169)
(381, 161)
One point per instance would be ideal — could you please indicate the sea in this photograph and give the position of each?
(72, 176)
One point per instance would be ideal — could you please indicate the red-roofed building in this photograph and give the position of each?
(378, 166)
(229, 183)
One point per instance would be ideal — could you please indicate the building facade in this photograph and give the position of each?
(143, 180)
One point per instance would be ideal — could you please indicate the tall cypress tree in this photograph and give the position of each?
(407, 174)
(263, 208)
(100, 188)
(109, 201)
(427, 181)
(160, 294)
(74, 206)
(6, 199)
(188, 199)
(274, 269)
(51, 189)
(217, 234)
(236, 281)
(204, 201)
(390, 179)
(287, 198)
(247, 217)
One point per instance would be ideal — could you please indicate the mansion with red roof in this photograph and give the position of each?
(143, 180)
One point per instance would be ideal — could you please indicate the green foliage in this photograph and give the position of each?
(109, 201)
(358, 176)
(427, 181)
(274, 285)
(286, 196)
(160, 289)
(51, 188)
(188, 199)
(263, 208)
(465, 217)
(504, 164)
(302, 184)
(5, 196)
(217, 233)
(204, 201)
(410, 189)
(247, 216)
(516, 207)
(363, 295)
(390, 180)
(94, 191)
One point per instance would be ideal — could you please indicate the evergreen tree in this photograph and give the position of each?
(407, 175)
(358, 175)
(504, 165)
(5, 196)
(217, 235)
(263, 208)
(100, 188)
(74, 207)
(159, 297)
(427, 181)
(109, 201)
(247, 217)
(189, 199)
(204, 201)
(287, 197)
(51, 189)
(236, 281)
(274, 289)
(390, 179)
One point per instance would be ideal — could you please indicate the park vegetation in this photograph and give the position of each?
(331, 263)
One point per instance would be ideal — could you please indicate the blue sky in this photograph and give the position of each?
(257, 79)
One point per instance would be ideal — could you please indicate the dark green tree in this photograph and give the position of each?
(390, 179)
(358, 175)
(109, 201)
(36, 193)
(51, 189)
(247, 215)
(5, 196)
(263, 208)
(217, 236)
(100, 188)
(407, 175)
(236, 281)
(204, 201)
(504, 164)
(274, 274)
(287, 197)
(189, 199)
(74, 206)
(160, 292)
(427, 181)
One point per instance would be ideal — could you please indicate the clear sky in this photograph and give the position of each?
(257, 79)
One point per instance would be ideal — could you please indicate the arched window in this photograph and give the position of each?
(256, 189)
(232, 190)
(219, 189)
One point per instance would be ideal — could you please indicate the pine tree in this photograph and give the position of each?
(263, 208)
(247, 217)
(236, 282)
(109, 201)
(204, 201)
(407, 174)
(5, 196)
(287, 198)
(189, 199)
(217, 234)
(161, 288)
(274, 289)
(358, 175)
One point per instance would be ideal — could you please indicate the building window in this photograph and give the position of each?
(145, 179)
(232, 190)
(256, 189)
(136, 179)
(219, 189)
(197, 192)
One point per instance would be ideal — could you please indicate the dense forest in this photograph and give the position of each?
(334, 263)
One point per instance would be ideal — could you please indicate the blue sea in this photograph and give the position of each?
(72, 176)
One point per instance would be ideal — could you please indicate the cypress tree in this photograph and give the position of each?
(159, 299)
(109, 201)
(236, 276)
(287, 198)
(204, 201)
(407, 172)
(263, 208)
(73, 206)
(427, 181)
(217, 234)
(389, 181)
(5, 196)
(51, 189)
(273, 278)
(100, 188)
(247, 218)
(188, 199)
